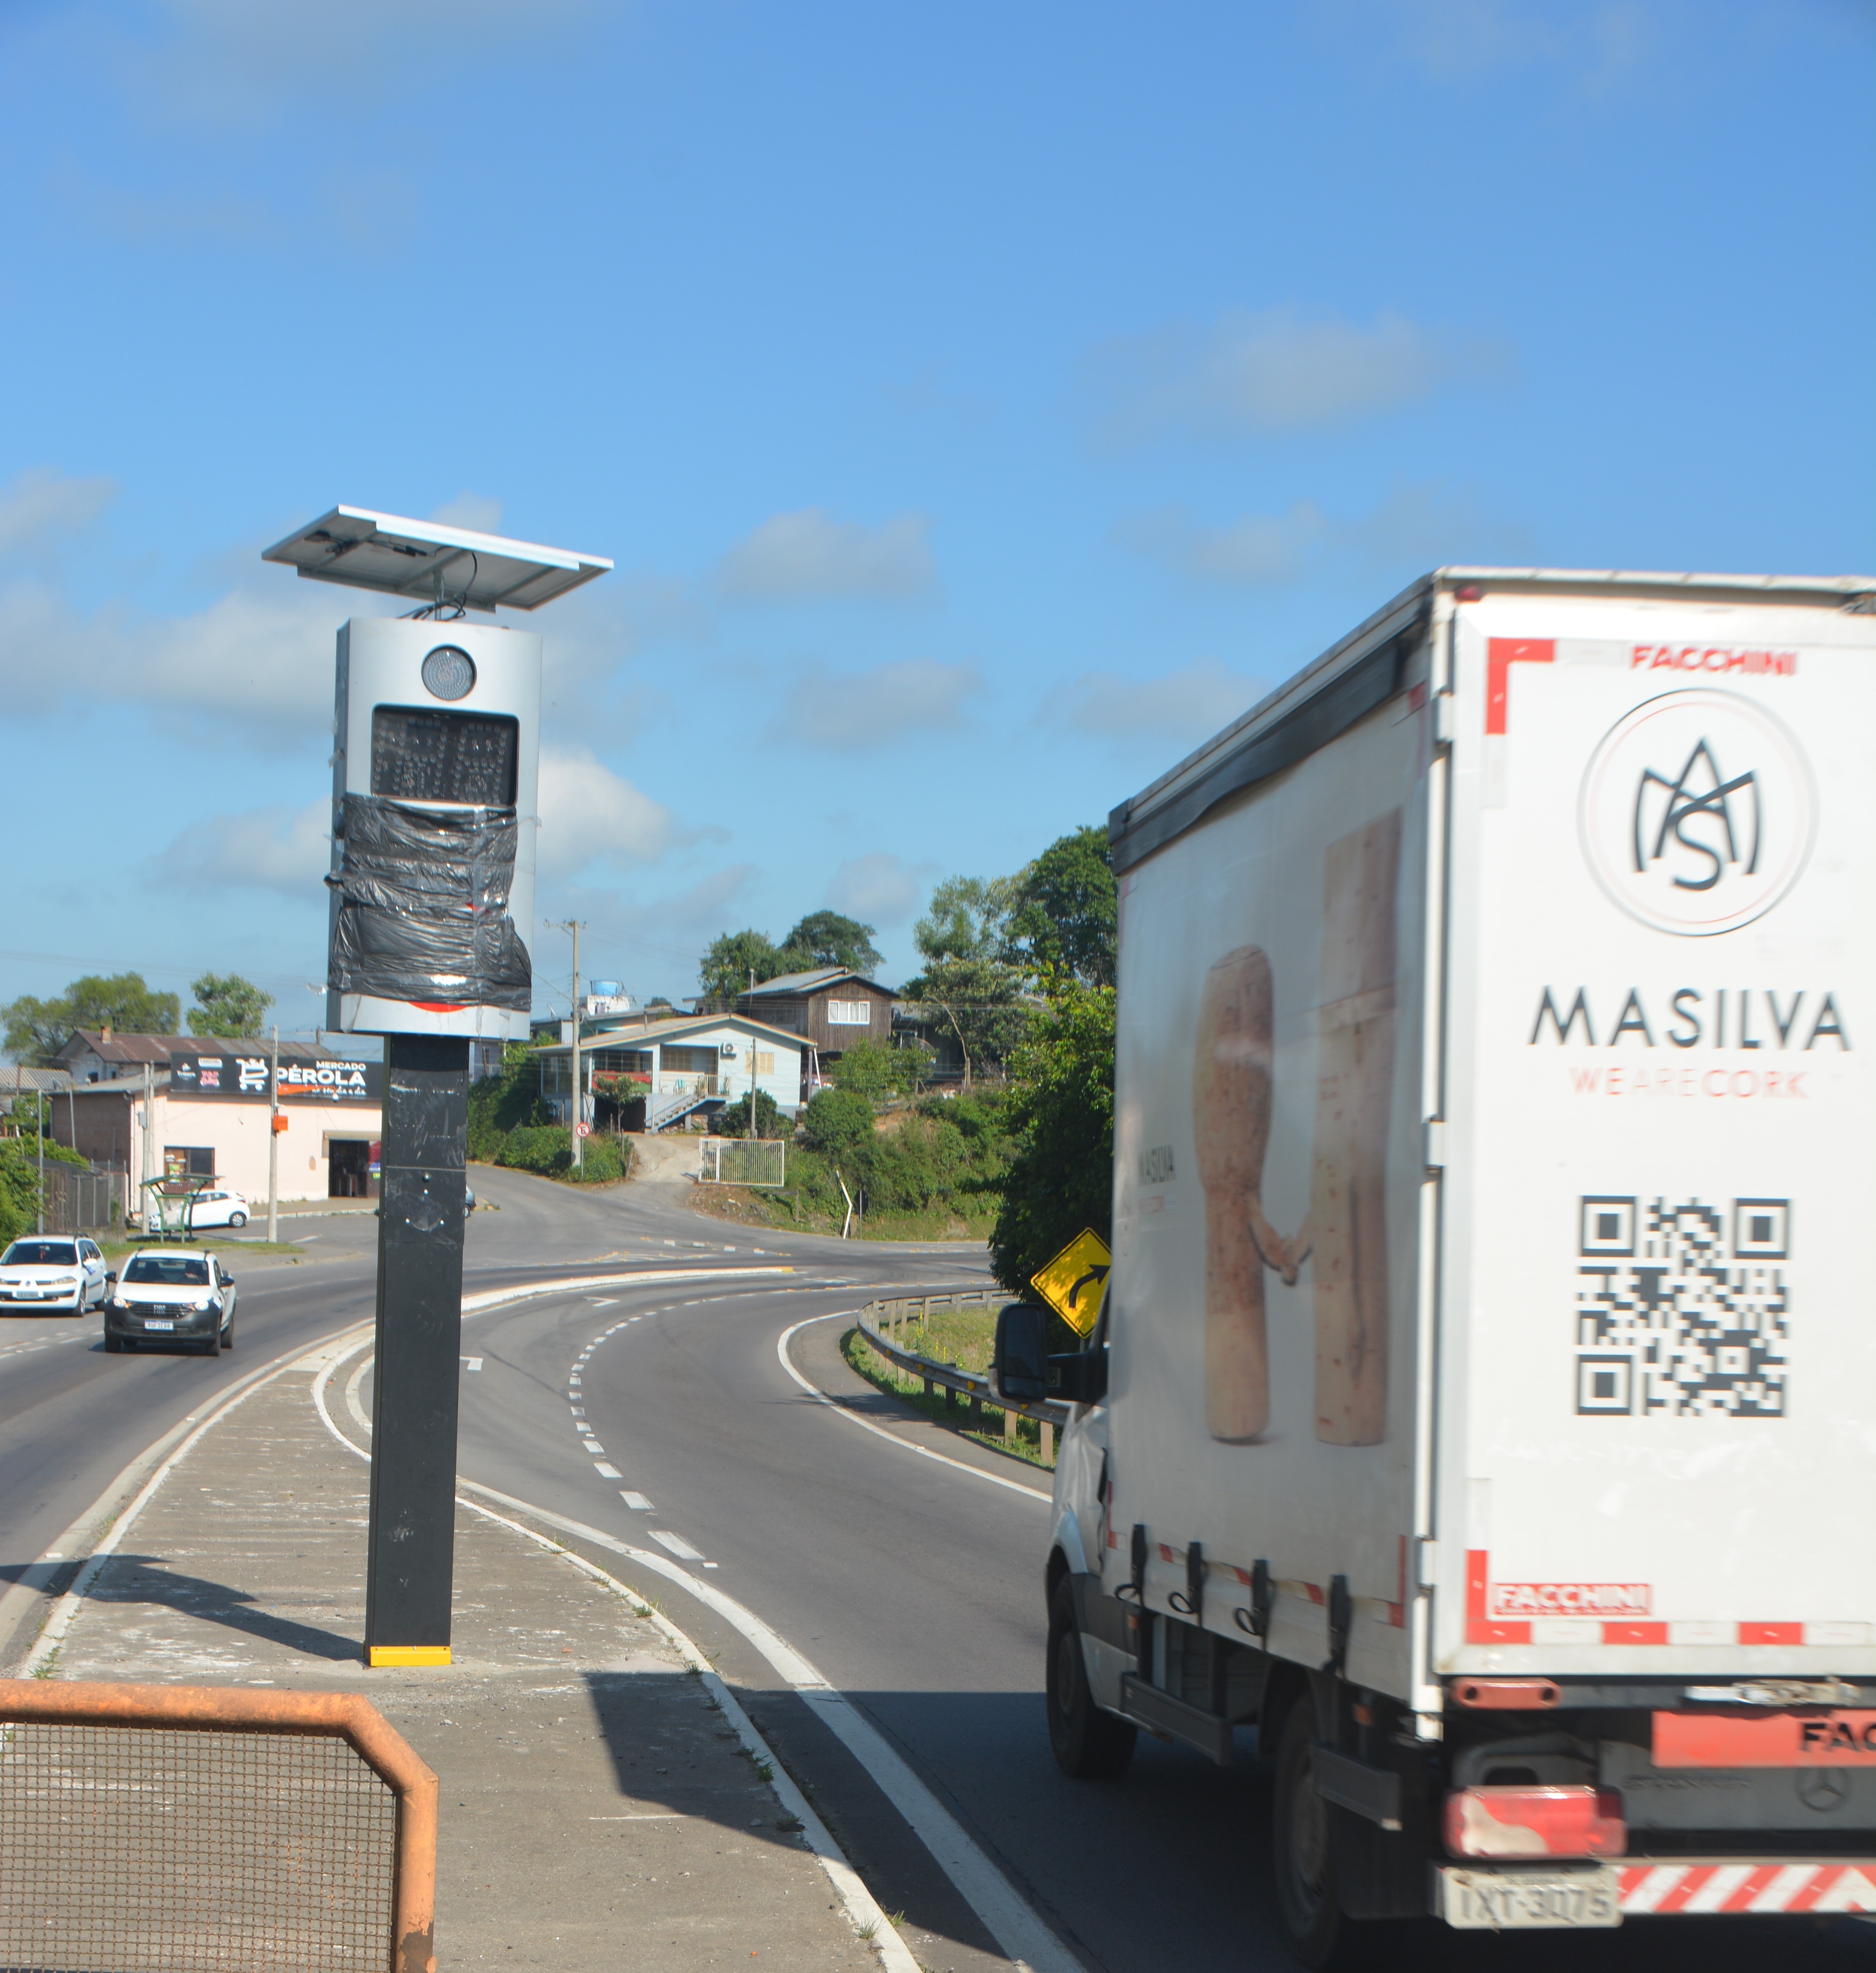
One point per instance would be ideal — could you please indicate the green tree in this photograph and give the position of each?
(876, 1072)
(1060, 1110)
(725, 969)
(836, 1121)
(826, 938)
(975, 991)
(229, 1006)
(36, 1029)
(1067, 912)
(769, 1121)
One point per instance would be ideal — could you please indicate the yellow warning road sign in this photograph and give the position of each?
(1074, 1283)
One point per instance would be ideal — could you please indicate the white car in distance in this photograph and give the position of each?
(53, 1271)
(218, 1208)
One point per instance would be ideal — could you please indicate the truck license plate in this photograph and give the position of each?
(1529, 1900)
(148, 1324)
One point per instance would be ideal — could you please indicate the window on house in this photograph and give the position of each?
(850, 1013)
(188, 1161)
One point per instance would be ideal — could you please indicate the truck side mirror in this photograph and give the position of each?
(110, 1279)
(1020, 1369)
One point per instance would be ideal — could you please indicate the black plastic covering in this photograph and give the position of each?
(424, 906)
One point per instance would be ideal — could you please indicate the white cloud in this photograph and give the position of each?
(277, 847)
(1415, 527)
(852, 710)
(1259, 549)
(1182, 705)
(879, 888)
(231, 62)
(44, 503)
(476, 511)
(809, 555)
(1457, 40)
(1276, 371)
(590, 816)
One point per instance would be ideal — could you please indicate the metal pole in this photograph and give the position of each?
(41, 1095)
(148, 1170)
(410, 1560)
(273, 1142)
(579, 1094)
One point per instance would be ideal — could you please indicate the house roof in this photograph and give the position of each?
(132, 1051)
(15, 1079)
(608, 1040)
(811, 981)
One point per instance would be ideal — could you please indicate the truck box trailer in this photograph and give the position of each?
(1485, 1403)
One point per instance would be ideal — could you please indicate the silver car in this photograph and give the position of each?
(172, 1294)
(53, 1271)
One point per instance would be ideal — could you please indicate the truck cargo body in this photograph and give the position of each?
(1490, 1347)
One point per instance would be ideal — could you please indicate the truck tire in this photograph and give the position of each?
(1090, 1745)
(1306, 1893)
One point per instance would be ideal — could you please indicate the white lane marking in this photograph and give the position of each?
(676, 1543)
(472, 1362)
(607, 1472)
(891, 1438)
(603, 1301)
(578, 1410)
(636, 1502)
(357, 1377)
(1021, 1934)
(863, 1913)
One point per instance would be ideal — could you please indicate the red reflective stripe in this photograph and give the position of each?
(1823, 1878)
(1771, 1634)
(1481, 1629)
(1635, 1634)
(1501, 654)
(1697, 1876)
(438, 1007)
(1740, 1897)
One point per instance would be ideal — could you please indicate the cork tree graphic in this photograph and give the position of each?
(1345, 1236)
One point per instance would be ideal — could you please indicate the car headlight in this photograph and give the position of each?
(118, 1303)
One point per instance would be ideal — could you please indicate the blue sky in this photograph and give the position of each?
(982, 405)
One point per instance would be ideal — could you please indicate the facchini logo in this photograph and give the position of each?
(1698, 812)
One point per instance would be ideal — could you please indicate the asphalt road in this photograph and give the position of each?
(912, 1586)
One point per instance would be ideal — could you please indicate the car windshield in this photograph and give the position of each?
(39, 1253)
(168, 1271)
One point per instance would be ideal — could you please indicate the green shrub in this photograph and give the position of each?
(872, 1070)
(510, 1100)
(835, 1120)
(547, 1148)
(733, 1122)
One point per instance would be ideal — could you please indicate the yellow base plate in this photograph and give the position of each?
(378, 1656)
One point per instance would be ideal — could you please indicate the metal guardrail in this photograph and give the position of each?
(205, 1826)
(972, 1384)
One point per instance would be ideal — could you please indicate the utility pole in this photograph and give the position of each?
(273, 1141)
(41, 1095)
(752, 1131)
(575, 925)
(148, 1168)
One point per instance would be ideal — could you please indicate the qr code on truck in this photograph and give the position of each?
(1682, 1310)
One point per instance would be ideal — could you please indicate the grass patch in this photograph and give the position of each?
(955, 1338)
(788, 1211)
(119, 1250)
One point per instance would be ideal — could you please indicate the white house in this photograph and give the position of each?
(691, 1065)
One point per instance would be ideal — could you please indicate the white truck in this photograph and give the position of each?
(1484, 1406)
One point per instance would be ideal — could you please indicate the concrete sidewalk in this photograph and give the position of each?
(598, 1811)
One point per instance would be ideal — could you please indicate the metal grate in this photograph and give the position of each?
(138, 1847)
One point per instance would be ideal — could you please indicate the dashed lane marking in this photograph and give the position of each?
(607, 1472)
(636, 1502)
(678, 1547)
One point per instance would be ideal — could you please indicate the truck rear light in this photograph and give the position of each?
(1535, 1821)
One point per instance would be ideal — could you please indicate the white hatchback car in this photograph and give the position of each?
(218, 1208)
(170, 1294)
(52, 1271)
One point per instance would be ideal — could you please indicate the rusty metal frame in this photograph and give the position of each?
(344, 1716)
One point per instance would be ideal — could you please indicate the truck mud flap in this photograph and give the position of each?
(1173, 1720)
